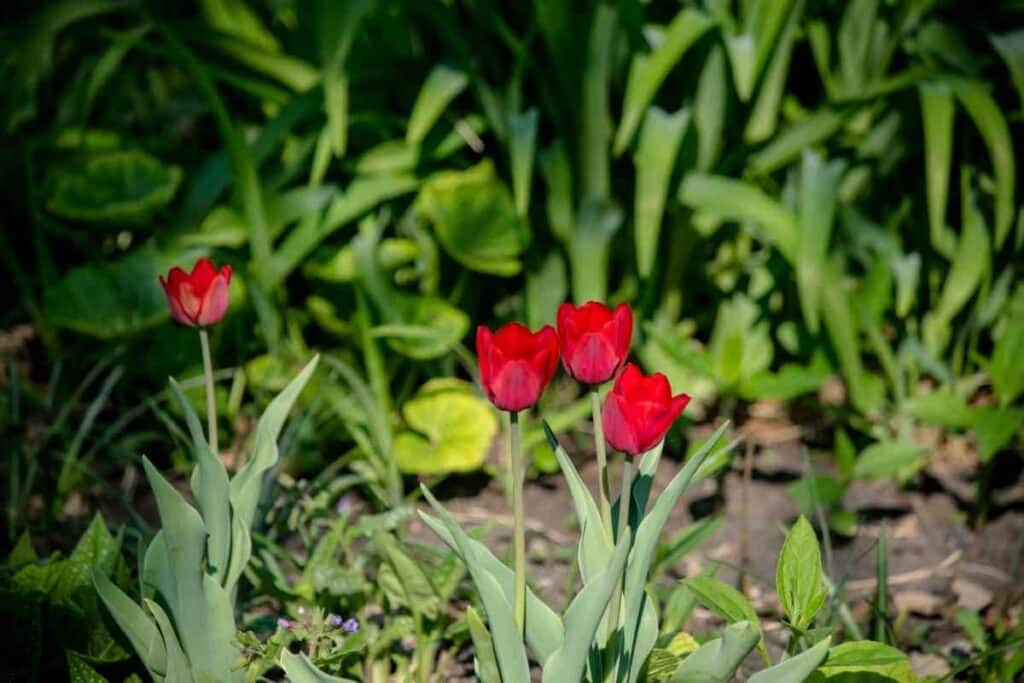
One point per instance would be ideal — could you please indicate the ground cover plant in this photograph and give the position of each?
(804, 214)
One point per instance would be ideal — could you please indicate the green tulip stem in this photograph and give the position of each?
(211, 399)
(519, 539)
(604, 490)
(624, 498)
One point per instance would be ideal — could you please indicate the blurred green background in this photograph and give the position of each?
(803, 200)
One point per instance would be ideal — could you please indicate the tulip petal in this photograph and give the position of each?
(214, 303)
(623, 319)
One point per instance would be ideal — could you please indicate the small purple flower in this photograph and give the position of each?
(350, 625)
(343, 505)
(284, 623)
(336, 620)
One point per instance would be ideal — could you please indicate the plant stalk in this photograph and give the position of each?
(604, 490)
(624, 503)
(211, 399)
(519, 538)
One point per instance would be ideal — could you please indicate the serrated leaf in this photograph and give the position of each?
(866, 658)
(887, 459)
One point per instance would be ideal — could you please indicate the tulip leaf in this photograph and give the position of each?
(716, 661)
(111, 299)
(819, 182)
(484, 663)
(475, 219)
(583, 616)
(646, 540)
(722, 599)
(594, 546)
(544, 630)
(508, 646)
(451, 430)
(141, 631)
(709, 108)
(114, 187)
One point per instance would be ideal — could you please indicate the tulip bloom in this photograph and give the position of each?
(594, 340)
(639, 411)
(516, 364)
(199, 298)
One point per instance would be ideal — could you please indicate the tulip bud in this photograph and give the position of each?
(639, 411)
(199, 298)
(515, 364)
(593, 340)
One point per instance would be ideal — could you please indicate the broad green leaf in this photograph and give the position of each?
(867, 659)
(655, 158)
(937, 114)
(79, 670)
(485, 665)
(451, 430)
(796, 668)
(432, 327)
(740, 344)
(96, 550)
(583, 617)
(647, 72)
(819, 181)
(888, 459)
(111, 299)
(742, 57)
(709, 108)
(141, 631)
(798, 575)
(818, 492)
(732, 199)
(854, 42)
(716, 661)
(441, 87)
(544, 631)
(337, 22)
(114, 187)
(791, 142)
(994, 428)
(299, 669)
(943, 407)
(989, 120)
(722, 599)
(475, 219)
(508, 645)
(522, 130)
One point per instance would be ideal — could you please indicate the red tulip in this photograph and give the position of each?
(594, 340)
(516, 364)
(198, 298)
(639, 411)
